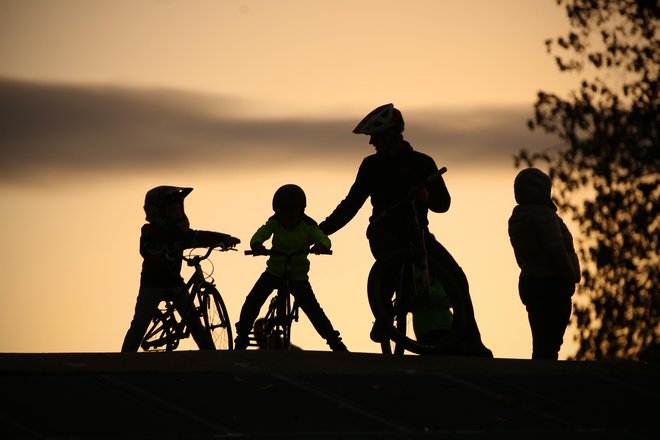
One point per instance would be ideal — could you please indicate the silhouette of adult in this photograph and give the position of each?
(386, 177)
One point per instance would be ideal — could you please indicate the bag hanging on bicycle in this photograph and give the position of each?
(432, 314)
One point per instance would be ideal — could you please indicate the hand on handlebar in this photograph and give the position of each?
(228, 243)
(258, 247)
(421, 194)
(319, 248)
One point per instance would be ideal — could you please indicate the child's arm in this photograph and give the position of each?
(262, 234)
(319, 239)
(157, 245)
(209, 238)
(551, 238)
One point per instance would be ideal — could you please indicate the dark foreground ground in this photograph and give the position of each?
(321, 395)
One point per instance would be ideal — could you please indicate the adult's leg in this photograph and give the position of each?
(145, 306)
(253, 303)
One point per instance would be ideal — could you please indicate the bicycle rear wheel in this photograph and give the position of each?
(391, 291)
(216, 318)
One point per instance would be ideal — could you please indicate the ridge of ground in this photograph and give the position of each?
(313, 394)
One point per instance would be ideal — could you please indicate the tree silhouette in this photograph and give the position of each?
(607, 171)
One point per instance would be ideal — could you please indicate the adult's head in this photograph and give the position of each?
(164, 205)
(385, 126)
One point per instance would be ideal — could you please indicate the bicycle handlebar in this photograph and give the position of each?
(197, 258)
(410, 197)
(269, 252)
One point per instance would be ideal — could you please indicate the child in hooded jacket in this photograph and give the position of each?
(549, 266)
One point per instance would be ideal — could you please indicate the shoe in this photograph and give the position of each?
(241, 343)
(336, 344)
(377, 334)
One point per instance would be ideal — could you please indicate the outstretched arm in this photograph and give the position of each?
(319, 239)
(210, 238)
(262, 234)
(347, 208)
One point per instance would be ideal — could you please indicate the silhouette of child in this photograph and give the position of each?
(291, 230)
(162, 241)
(549, 267)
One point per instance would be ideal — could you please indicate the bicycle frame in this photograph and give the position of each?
(417, 243)
(203, 298)
(395, 294)
(282, 312)
(401, 273)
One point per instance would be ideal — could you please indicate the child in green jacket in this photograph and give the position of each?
(291, 230)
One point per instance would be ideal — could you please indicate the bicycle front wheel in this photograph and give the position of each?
(216, 318)
(391, 290)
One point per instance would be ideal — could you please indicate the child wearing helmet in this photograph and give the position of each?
(290, 229)
(162, 241)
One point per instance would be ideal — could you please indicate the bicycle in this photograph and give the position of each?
(275, 326)
(400, 287)
(168, 328)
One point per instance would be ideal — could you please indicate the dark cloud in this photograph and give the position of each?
(71, 128)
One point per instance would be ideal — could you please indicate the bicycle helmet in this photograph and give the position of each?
(159, 197)
(381, 119)
(289, 197)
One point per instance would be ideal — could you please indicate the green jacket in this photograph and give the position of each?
(305, 234)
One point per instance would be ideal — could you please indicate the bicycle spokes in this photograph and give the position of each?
(216, 318)
(162, 334)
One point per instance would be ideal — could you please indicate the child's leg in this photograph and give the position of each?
(181, 299)
(558, 308)
(253, 302)
(549, 309)
(306, 299)
(145, 305)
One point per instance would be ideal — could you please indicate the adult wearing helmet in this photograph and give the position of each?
(386, 178)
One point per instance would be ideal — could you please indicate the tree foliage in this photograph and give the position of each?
(607, 171)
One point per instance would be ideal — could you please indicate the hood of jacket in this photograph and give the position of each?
(532, 187)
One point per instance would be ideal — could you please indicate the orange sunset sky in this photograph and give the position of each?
(100, 101)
